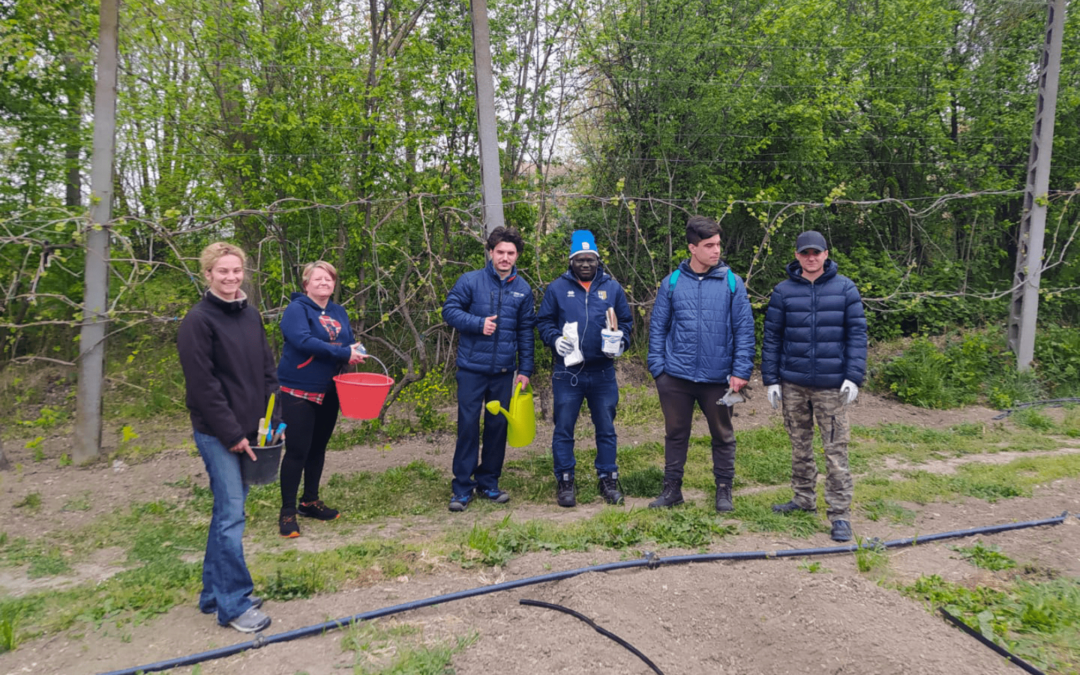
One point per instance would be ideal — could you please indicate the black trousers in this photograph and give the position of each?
(309, 427)
(677, 400)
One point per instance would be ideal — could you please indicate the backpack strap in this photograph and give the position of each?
(731, 281)
(672, 280)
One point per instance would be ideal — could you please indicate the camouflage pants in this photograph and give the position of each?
(801, 406)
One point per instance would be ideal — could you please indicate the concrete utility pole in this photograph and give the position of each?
(485, 115)
(1024, 310)
(96, 296)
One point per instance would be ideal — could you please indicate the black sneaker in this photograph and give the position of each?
(788, 507)
(287, 525)
(460, 502)
(496, 495)
(841, 530)
(317, 510)
(723, 498)
(670, 496)
(565, 494)
(608, 485)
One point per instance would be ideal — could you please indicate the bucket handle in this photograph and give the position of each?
(371, 356)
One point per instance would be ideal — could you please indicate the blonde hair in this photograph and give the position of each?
(310, 268)
(218, 250)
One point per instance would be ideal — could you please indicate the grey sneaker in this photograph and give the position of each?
(256, 602)
(251, 621)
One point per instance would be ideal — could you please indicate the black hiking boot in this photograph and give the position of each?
(566, 494)
(670, 496)
(788, 507)
(841, 530)
(723, 498)
(608, 485)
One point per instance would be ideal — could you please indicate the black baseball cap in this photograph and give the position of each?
(810, 239)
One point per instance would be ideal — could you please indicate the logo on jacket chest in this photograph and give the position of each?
(602, 294)
(332, 326)
(569, 294)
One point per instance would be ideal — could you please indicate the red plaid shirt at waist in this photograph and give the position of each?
(306, 395)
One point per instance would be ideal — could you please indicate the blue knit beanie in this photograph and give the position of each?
(582, 241)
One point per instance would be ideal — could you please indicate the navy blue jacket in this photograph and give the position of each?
(317, 343)
(702, 331)
(480, 294)
(815, 333)
(566, 300)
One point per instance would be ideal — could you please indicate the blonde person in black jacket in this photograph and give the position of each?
(230, 374)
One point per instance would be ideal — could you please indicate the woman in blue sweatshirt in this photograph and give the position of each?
(318, 343)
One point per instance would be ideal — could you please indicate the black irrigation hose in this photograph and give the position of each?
(1009, 656)
(1052, 402)
(650, 561)
(603, 631)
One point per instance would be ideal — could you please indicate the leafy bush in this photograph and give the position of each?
(980, 366)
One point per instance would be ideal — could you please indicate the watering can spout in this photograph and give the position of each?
(520, 418)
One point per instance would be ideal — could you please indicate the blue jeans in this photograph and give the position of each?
(226, 580)
(601, 390)
(474, 390)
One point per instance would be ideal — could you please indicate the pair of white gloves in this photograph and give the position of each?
(564, 347)
(849, 389)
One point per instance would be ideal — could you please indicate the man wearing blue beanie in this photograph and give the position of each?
(584, 362)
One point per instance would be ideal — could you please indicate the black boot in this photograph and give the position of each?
(608, 485)
(671, 495)
(723, 498)
(565, 494)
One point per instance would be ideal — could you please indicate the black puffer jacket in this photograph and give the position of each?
(815, 333)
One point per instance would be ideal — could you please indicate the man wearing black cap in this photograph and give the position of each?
(813, 359)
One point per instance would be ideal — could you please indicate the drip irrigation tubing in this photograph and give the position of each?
(1009, 656)
(1050, 402)
(599, 629)
(649, 561)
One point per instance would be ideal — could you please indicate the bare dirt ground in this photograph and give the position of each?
(771, 616)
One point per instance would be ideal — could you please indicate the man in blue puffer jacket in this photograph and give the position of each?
(814, 359)
(701, 342)
(492, 309)
(585, 295)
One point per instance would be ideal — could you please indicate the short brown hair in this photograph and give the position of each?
(218, 250)
(310, 268)
(699, 228)
(501, 234)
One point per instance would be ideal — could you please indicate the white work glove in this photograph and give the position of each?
(851, 389)
(773, 394)
(563, 347)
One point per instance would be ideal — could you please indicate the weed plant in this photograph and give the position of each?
(400, 648)
(1039, 622)
(985, 557)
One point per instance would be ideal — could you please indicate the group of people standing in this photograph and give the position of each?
(701, 353)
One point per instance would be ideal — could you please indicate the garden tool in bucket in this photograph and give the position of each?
(362, 394)
(520, 418)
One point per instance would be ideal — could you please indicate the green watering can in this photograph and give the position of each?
(520, 418)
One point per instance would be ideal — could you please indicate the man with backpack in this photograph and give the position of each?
(701, 344)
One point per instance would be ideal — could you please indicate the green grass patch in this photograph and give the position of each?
(1039, 622)
(883, 509)
(985, 557)
(392, 649)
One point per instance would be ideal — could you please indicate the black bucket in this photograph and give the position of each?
(265, 470)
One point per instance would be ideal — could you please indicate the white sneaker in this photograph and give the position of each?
(251, 621)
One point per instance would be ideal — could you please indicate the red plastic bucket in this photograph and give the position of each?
(362, 394)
